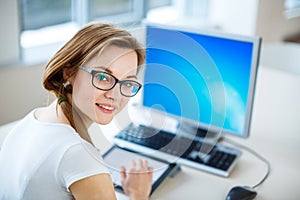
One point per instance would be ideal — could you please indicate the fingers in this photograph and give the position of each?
(123, 173)
(141, 165)
(133, 166)
(136, 166)
(150, 171)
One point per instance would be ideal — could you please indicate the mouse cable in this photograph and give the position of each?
(268, 164)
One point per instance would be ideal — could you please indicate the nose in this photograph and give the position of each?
(114, 93)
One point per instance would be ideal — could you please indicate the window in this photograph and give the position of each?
(47, 24)
(38, 14)
(99, 9)
(157, 3)
(292, 8)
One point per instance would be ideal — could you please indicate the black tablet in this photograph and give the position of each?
(116, 157)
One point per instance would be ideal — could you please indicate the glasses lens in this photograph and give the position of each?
(104, 81)
(129, 88)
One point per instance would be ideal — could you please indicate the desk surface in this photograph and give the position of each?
(275, 134)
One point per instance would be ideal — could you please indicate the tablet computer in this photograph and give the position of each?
(116, 157)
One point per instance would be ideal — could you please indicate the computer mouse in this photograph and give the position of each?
(241, 193)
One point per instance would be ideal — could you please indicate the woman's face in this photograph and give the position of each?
(97, 105)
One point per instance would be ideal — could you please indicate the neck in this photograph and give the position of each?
(60, 114)
(81, 123)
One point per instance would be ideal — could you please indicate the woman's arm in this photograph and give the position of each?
(137, 184)
(98, 187)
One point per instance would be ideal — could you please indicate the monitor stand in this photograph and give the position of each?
(192, 131)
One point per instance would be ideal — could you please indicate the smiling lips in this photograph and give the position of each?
(106, 108)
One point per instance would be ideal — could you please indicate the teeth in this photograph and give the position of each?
(107, 107)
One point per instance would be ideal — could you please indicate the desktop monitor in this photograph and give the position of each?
(203, 79)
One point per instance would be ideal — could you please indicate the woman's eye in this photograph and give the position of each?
(128, 84)
(102, 77)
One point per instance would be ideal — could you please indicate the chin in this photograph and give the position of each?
(103, 122)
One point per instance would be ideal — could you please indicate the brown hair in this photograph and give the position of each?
(87, 42)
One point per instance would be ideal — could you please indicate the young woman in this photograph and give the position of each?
(49, 154)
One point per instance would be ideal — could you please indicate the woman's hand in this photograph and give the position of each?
(137, 182)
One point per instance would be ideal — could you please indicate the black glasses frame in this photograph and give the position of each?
(93, 72)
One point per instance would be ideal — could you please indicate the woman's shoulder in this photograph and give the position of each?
(43, 133)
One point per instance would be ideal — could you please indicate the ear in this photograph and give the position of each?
(68, 73)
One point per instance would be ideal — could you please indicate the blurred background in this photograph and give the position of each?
(33, 30)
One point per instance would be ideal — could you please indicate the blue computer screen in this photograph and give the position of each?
(200, 77)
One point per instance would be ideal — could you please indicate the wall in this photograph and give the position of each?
(234, 16)
(272, 24)
(9, 40)
(21, 91)
(264, 18)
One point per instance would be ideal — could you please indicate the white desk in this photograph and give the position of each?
(275, 134)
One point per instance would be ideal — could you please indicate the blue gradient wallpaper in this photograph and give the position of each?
(198, 77)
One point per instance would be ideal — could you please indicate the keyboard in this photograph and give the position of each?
(193, 152)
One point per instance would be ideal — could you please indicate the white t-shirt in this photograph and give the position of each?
(41, 160)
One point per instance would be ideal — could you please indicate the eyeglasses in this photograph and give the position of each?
(105, 81)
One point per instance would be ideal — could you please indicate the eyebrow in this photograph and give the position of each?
(109, 71)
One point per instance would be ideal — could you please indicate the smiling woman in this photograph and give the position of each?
(58, 156)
